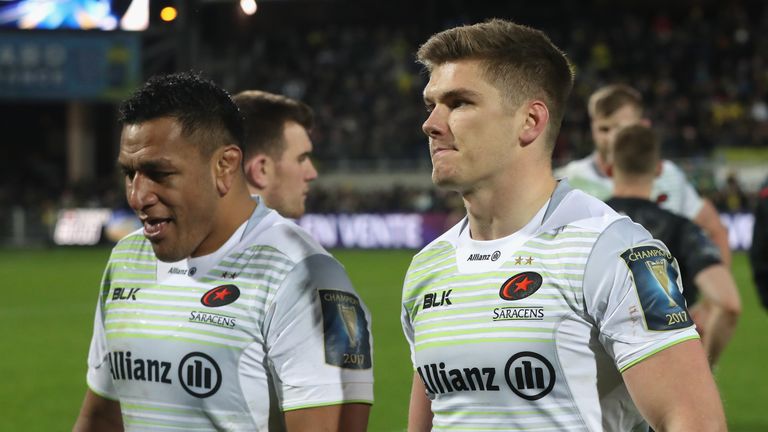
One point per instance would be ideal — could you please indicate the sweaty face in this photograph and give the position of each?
(471, 127)
(170, 186)
(604, 128)
(289, 183)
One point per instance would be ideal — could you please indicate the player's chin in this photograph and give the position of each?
(168, 254)
(294, 212)
(444, 180)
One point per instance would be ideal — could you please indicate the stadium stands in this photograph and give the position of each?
(700, 66)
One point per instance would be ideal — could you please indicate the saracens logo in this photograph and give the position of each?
(520, 286)
(220, 296)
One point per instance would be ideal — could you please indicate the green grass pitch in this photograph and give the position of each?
(47, 307)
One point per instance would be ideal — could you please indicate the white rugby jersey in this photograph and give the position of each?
(532, 331)
(671, 189)
(267, 323)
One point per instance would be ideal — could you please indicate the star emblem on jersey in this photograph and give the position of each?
(520, 260)
(520, 286)
(220, 296)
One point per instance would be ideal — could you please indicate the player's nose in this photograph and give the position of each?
(310, 172)
(140, 193)
(435, 125)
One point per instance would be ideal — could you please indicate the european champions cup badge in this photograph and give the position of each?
(658, 269)
(349, 318)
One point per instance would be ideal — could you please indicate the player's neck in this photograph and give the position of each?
(626, 188)
(600, 164)
(504, 209)
(233, 209)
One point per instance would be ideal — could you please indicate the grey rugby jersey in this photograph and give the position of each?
(532, 331)
(269, 322)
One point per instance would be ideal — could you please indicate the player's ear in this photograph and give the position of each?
(536, 120)
(227, 167)
(257, 171)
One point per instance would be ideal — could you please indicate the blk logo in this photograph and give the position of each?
(432, 300)
(125, 294)
(199, 375)
(520, 286)
(220, 296)
(530, 375)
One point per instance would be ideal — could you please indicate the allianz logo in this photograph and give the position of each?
(484, 257)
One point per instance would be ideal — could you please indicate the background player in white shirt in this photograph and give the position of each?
(611, 108)
(562, 345)
(278, 150)
(219, 314)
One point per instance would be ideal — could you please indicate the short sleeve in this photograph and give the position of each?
(99, 376)
(318, 336)
(688, 202)
(405, 321)
(632, 292)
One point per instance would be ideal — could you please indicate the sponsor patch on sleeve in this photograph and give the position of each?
(347, 343)
(655, 280)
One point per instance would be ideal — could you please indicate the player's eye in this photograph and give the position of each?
(457, 103)
(129, 173)
(158, 176)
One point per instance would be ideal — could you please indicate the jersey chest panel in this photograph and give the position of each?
(491, 339)
(177, 336)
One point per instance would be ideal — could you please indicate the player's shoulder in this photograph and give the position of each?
(284, 236)
(445, 242)
(644, 209)
(577, 209)
(134, 243)
(670, 170)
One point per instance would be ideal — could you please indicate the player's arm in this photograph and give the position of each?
(709, 220)
(674, 390)
(420, 408)
(318, 333)
(717, 312)
(351, 417)
(640, 312)
(98, 414)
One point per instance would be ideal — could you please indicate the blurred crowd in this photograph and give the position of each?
(702, 68)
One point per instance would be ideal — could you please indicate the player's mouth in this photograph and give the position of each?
(154, 228)
(441, 148)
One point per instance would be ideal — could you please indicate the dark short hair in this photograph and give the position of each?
(636, 150)
(608, 99)
(520, 61)
(206, 111)
(265, 116)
